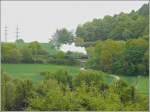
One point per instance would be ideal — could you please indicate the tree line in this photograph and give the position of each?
(33, 52)
(123, 26)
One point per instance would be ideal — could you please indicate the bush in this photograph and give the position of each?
(89, 77)
(15, 93)
(55, 94)
(61, 76)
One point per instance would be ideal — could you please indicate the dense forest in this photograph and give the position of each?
(118, 27)
(115, 45)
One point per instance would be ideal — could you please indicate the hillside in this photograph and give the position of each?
(46, 46)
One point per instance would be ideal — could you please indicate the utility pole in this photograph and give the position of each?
(6, 33)
(17, 33)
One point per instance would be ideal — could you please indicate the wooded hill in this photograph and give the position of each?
(118, 27)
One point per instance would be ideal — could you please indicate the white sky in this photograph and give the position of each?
(38, 20)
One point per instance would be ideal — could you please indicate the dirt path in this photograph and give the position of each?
(115, 76)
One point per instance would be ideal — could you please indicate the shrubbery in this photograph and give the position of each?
(60, 91)
(120, 57)
(15, 93)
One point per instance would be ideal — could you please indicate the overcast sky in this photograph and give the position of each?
(38, 20)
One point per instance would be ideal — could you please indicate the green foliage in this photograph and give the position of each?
(62, 36)
(15, 56)
(69, 58)
(32, 53)
(35, 52)
(15, 93)
(35, 49)
(26, 55)
(60, 55)
(55, 94)
(118, 27)
(119, 57)
(61, 76)
(134, 56)
(24, 91)
(87, 96)
(10, 54)
(88, 77)
(144, 10)
(48, 47)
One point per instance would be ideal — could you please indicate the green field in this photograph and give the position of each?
(142, 84)
(32, 71)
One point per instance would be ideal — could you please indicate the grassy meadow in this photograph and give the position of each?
(32, 71)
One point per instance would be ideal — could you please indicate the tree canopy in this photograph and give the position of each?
(62, 36)
(118, 27)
